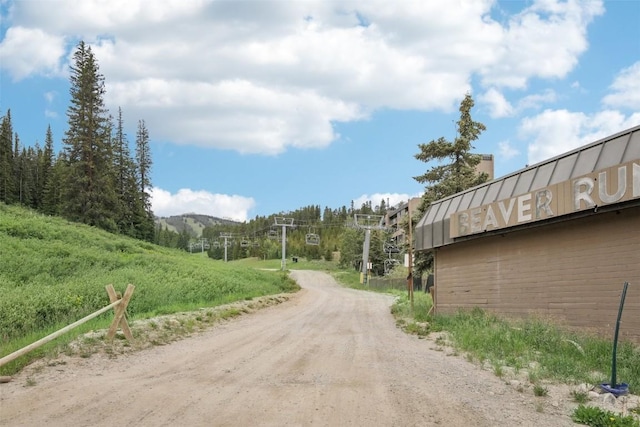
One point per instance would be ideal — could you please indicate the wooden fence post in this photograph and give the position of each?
(119, 318)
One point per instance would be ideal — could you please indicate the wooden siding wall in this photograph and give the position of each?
(571, 271)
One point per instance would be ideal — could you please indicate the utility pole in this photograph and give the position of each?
(410, 277)
(368, 223)
(204, 244)
(225, 236)
(284, 222)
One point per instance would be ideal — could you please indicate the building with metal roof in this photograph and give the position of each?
(558, 237)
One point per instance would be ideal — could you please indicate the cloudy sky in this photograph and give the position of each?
(257, 107)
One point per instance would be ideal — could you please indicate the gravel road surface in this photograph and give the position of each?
(329, 356)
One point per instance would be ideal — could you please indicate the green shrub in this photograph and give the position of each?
(596, 417)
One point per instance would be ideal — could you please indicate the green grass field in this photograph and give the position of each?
(54, 272)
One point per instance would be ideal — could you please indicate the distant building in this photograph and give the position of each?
(395, 215)
(557, 239)
(395, 218)
(486, 165)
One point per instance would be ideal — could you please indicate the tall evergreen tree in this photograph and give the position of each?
(30, 176)
(53, 191)
(18, 167)
(22, 173)
(460, 173)
(448, 178)
(144, 163)
(89, 193)
(7, 193)
(46, 164)
(130, 205)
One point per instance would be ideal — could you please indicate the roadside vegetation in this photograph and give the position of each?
(539, 347)
(54, 272)
(534, 348)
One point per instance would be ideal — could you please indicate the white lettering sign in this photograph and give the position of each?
(613, 185)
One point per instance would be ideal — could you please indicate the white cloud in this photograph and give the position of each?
(554, 132)
(50, 97)
(236, 114)
(626, 89)
(544, 40)
(28, 51)
(506, 151)
(500, 107)
(393, 199)
(187, 201)
(534, 101)
(261, 77)
(497, 103)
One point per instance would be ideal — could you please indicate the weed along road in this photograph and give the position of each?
(329, 356)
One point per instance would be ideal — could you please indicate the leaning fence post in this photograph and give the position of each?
(119, 319)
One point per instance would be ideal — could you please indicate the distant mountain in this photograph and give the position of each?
(193, 223)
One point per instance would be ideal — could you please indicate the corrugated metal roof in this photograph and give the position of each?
(432, 230)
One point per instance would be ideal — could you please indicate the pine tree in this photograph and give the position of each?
(183, 240)
(130, 206)
(382, 208)
(53, 203)
(449, 178)
(47, 190)
(143, 162)
(22, 173)
(458, 175)
(89, 194)
(28, 179)
(7, 193)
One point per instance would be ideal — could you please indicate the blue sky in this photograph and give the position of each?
(259, 107)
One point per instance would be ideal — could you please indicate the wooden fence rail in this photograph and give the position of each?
(118, 320)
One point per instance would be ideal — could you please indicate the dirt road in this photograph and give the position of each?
(329, 357)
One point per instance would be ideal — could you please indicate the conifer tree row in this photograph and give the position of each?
(94, 179)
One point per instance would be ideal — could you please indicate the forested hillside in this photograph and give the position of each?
(315, 233)
(191, 222)
(95, 179)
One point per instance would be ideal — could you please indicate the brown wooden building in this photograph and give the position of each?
(557, 239)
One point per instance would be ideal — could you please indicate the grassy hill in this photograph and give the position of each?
(54, 272)
(193, 223)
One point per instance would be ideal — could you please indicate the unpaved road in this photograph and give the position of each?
(329, 357)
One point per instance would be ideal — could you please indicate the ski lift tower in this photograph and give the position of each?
(367, 222)
(284, 223)
(225, 236)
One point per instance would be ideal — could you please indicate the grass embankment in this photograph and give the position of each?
(54, 272)
(539, 347)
